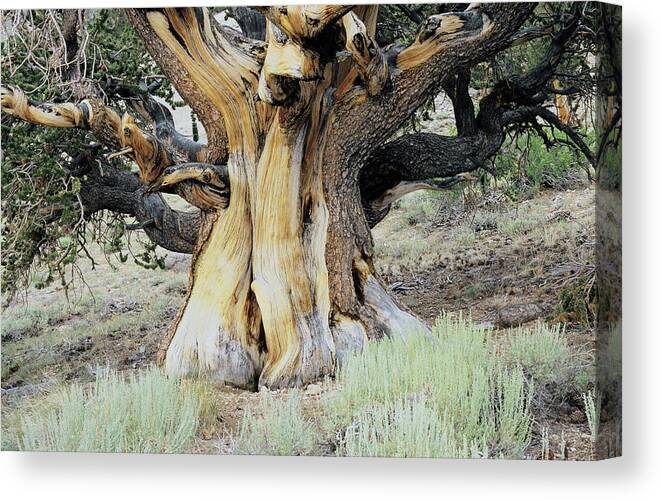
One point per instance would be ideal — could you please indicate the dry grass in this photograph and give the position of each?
(52, 337)
(429, 229)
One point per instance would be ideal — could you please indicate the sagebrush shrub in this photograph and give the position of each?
(462, 392)
(277, 428)
(146, 413)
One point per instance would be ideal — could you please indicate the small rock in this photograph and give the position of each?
(313, 390)
(517, 314)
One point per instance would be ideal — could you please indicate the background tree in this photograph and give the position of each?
(298, 165)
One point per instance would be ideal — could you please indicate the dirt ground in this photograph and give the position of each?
(436, 253)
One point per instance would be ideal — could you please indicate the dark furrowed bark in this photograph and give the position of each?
(420, 157)
(361, 124)
(365, 126)
(70, 35)
(122, 192)
(464, 111)
(424, 155)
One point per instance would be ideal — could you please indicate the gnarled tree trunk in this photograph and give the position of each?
(259, 308)
(282, 283)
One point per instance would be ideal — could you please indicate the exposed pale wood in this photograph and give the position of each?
(286, 62)
(151, 110)
(61, 115)
(437, 31)
(272, 281)
(561, 104)
(349, 336)
(373, 68)
(224, 71)
(406, 187)
(180, 77)
(289, 288)
(304, 22)
(213, 175)
(390, 318)
(151, 155)
(218, 328)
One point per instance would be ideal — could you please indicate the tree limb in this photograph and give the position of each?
(456, 87)
(170, 229)
(213, 67)
(445, 43)
(120, 191)
(151, 155)
(143, 103)
(155, 159)
(412, 162)
(404, 164)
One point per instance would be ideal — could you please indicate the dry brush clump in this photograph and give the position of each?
(456, 393)
(145, 413)
(278, 427)
(560, 372)
(544, 354)
(482, 405)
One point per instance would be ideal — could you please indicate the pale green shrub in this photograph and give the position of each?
(481, 404)
(405, 428)
(593, 413)
(543, 353)
(279, 428)
(519, 226)
(147, 413)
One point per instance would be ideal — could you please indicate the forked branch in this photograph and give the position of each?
(221, 68)
(160, 165)
(117, 133)
(444, 44)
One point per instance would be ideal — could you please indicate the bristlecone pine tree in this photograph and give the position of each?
(296, 172)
